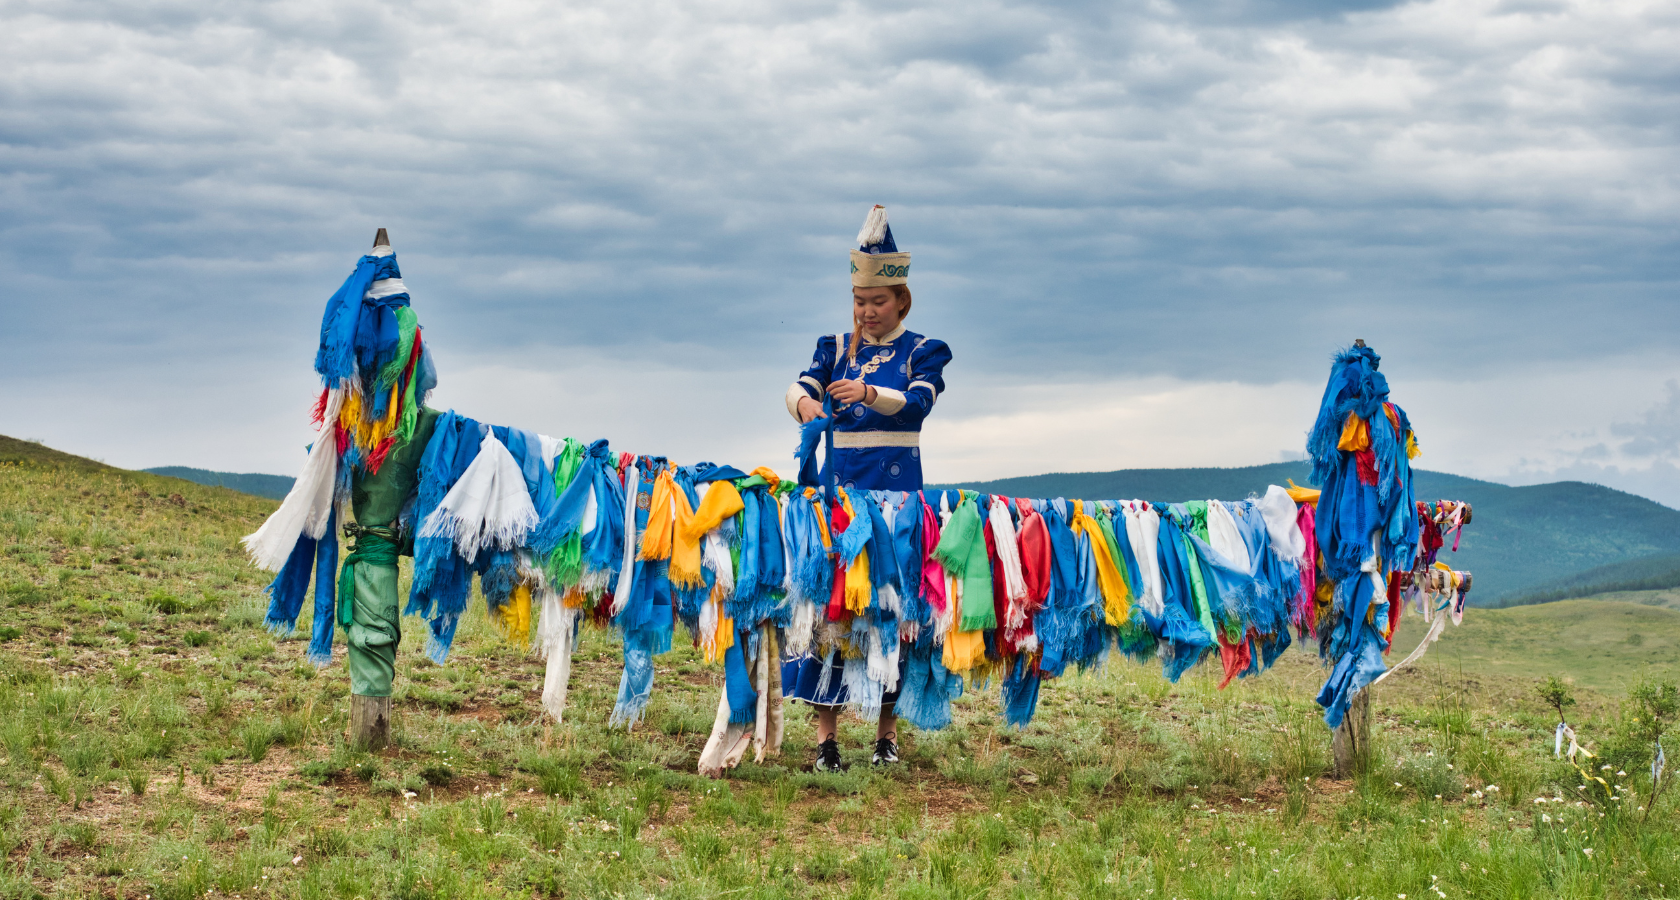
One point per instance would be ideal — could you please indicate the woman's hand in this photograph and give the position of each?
(810, 409)
(848, 391)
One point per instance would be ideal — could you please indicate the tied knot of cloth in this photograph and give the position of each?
(374, 545)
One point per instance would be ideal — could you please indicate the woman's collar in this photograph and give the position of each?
(887, 338)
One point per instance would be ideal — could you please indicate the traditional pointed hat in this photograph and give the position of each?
(877, 262)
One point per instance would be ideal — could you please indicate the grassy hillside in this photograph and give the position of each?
(1604, 642)
(273, 487)
(1523, 540)
(156, 742)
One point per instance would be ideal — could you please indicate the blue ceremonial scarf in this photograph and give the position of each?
(646, 620)
(1055, 623)
(356, 331)
(707, 472)
(812, 570)
(526, 449)
(442, 579)
(907, 547)
(758, 581)
(326, 590)
(927, 688)
(1360, 663)
(1185, 640)
(849, 543)
(737, 684)
(1088, 636)
(883, 553)
(817, 431)
(603, 546)
(1020, 693)
(291, 585)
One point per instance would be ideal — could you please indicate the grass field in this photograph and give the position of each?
(1605, 642)
(157, 742)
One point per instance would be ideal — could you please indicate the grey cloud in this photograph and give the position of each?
(1090, 190)
(1657, 433)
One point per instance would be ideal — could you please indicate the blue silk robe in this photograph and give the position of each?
(877, 447)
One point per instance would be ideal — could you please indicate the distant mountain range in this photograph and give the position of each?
(1525, 544)
(272, 486)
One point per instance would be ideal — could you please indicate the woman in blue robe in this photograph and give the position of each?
(879, 382)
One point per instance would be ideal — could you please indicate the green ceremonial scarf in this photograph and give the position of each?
(408, 328)
(374, 546)
(565, 563)
(1198, 588)
(962, 551)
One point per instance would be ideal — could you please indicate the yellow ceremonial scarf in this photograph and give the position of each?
(858, 589)
(964, 650)
(367, 435)
(1117, 599)
(722, 500)
(514, 618)
(1303, 494)
(1356, 434)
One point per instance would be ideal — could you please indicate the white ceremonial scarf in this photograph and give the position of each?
(555, 633)
(1142, 527)
(1225, 538)
(551, 448)
(1009, 559)
(632, 540)
(489, 506)
(1279, 511)
(308, 505)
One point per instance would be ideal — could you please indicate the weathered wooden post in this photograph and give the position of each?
(1351, 742)
(370, 717)
(370, 722)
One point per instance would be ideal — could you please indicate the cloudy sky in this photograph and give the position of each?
(1144, 227)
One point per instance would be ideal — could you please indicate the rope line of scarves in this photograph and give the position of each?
(963, 586)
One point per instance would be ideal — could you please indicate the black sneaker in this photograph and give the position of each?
(886, 751)
(828, 756)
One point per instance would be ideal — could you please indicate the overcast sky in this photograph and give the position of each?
(1143, 227)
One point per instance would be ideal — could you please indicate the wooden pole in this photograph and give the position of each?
(370, 717)
(370, 722)
(1351, 743)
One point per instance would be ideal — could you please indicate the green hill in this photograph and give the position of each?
(273, 487)
(1523, 539)
(1650, 573)
(33, 453)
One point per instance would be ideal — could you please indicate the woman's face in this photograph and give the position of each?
(877, 308)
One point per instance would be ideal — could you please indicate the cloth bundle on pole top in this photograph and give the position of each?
(375, 374)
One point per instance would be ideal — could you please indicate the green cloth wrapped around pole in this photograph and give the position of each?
(369, 607)
(375, 630)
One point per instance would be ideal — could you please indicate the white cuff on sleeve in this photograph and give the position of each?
(933, 395)
(795, 393)
(887, 401)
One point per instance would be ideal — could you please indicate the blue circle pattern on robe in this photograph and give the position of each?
(906, 363)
